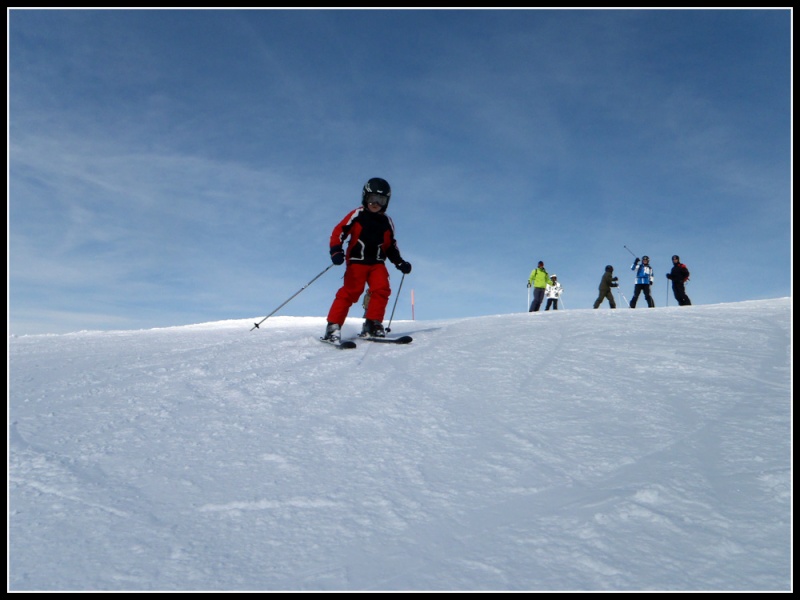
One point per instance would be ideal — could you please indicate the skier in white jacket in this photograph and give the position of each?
(553, 292)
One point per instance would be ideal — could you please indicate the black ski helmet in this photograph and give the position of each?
(676, 257)
(609, 268)
(376, 185)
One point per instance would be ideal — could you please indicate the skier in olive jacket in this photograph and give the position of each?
(607, 282)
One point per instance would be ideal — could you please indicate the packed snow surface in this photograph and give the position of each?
(645, 449)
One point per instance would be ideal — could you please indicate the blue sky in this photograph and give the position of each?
(170, 167)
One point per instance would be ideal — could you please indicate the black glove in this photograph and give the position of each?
(529, 284)
(404, 267)
(668, 277)
(636, 262)
(337, 256)
(615, 279)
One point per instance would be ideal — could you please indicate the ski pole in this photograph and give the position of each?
(629, 250)
(624, 298)
(396, 298)
(255, 326)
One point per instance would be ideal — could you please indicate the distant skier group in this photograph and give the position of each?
(545, 285)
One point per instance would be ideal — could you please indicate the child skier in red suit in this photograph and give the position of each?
(372, 241)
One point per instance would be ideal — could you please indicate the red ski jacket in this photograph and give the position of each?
(371, 238)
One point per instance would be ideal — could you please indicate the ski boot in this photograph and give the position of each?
(333, 333)
(372, 329)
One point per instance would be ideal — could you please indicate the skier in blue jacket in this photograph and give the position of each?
(644, 279)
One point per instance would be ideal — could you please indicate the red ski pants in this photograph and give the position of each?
(355, 278)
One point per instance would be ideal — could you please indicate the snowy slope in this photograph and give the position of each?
(642, 449)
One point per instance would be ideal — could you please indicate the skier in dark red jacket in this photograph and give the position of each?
(679, 276)
(371, 233)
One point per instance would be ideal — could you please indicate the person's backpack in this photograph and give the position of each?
(685, 268)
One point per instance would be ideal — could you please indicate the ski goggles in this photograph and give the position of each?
(377, 199)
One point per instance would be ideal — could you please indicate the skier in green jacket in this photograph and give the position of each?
(539, 280)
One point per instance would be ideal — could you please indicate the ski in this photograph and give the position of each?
(405, 339)
(345, 345)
